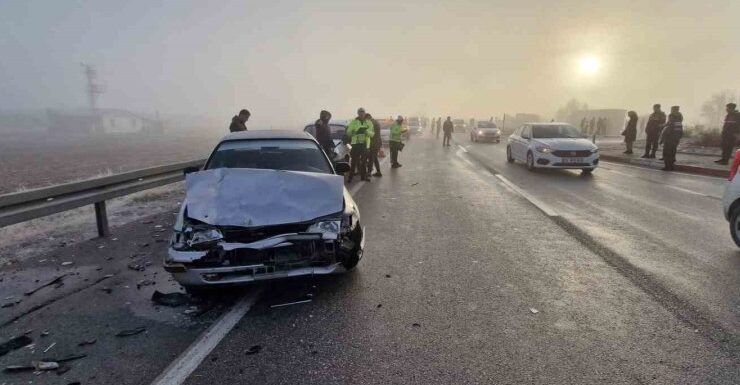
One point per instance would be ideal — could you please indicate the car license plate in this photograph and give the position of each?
(572, 160)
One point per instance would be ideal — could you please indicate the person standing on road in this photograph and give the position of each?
(239, 122)
(729, 132)
(375, 143)
(655, 123)
(447, 128)
(670, 138)
(323, 133)
(438, 125)
(359, 129)
(630, 131)
(395, 141)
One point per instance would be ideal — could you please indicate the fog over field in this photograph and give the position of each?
(286, 60)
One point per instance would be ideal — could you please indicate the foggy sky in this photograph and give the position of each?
(286, 60)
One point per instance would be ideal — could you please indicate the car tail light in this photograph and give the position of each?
(735, 164)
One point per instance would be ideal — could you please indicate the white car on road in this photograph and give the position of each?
(552, 145)
(731, 201)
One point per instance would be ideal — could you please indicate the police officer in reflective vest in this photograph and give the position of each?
(395, 144)
(729, 132)
(670, 138)
(360, 131)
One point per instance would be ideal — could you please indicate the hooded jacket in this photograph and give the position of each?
(237, 125)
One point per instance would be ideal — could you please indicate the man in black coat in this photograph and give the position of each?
(375, 143)
(729, 131)
(323, 133)
(238, 122)
(654, 125)
(670, 137)
(447, 127)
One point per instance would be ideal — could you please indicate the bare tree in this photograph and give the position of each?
(569, 108)
(713, 110)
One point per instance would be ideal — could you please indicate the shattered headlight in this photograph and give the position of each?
(327, 229)
(200, 237)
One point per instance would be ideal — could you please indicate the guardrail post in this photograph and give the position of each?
(101, 218)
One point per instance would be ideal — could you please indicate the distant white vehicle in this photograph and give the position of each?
(731, 200)
(552, 145)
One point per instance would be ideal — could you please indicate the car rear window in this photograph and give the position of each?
(272, 154)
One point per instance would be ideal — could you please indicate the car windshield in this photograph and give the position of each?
(486, 125)
(555, 131)
(272, 154)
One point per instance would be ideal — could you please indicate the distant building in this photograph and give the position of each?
(108, 121)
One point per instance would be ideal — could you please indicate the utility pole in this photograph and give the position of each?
(93, 90)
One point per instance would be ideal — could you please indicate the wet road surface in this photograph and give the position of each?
(464, 280)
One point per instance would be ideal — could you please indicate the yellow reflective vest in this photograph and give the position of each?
(360, 132)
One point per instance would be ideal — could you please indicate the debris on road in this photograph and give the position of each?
(56, 280)
(533, 310)
(45, 333)
(18, 368)
(67, 263)
(170, 299)
(414, 184)
(291, 303)
(50, 346)
(91, 341)
(45, 365)
(131, 332)
(379, 306)
(416, 325)
(11, 303)
(144, 282)
(136, 266)
(66, 359)
(14, 343)
(106, 289)
(254, 349)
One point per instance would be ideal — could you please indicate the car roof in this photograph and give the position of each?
(267, 134)
(550, 123)
(333, 122)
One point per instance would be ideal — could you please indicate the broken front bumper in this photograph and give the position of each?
(281, 256)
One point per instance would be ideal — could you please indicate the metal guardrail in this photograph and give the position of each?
(24, 206)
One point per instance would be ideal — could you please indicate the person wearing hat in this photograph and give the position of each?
(671, 136)
(359, 130)
(652, 131)
(395, 142)
(238, 122)
(729, 131)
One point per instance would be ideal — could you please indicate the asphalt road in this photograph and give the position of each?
(476, 271)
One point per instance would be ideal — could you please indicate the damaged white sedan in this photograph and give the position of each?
(267, 204)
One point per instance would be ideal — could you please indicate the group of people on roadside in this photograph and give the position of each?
(363, 133)
(668, 131)
(594, 126)
(447, 127)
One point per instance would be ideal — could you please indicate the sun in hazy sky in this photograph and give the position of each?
(589, 65)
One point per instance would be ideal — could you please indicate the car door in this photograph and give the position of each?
(524, 137)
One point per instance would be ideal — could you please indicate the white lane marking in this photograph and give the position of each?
(353, 191)
(462, 148)
(538, 203)
(186, 363)
(658, 171)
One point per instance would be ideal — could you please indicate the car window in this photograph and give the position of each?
(272, 154)
(526, 132)
(555, 131)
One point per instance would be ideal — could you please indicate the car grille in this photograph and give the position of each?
(572, 164)
(572, 154)
(242, 235)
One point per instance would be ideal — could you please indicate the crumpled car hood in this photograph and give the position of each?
(254, 197)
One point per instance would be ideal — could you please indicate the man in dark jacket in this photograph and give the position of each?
(447, 128)
(671, 136)
(323, 133)
(729, 131)
(375, 143)
(238, 122)
(655, 124)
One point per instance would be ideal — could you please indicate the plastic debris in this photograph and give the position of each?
(145, 282)
(533, 310)
(131, 332)
(67, 263)
(50, 346)
(18, 368)
(44, 365)
(136, 266)
(254, 349)
(170, 299)
(14, 343)
(56, 280)
(45, 333)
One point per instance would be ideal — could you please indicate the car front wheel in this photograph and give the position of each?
(735, 225)
(530, 161)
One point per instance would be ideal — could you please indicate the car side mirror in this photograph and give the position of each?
(190, 169)
(341, 167)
